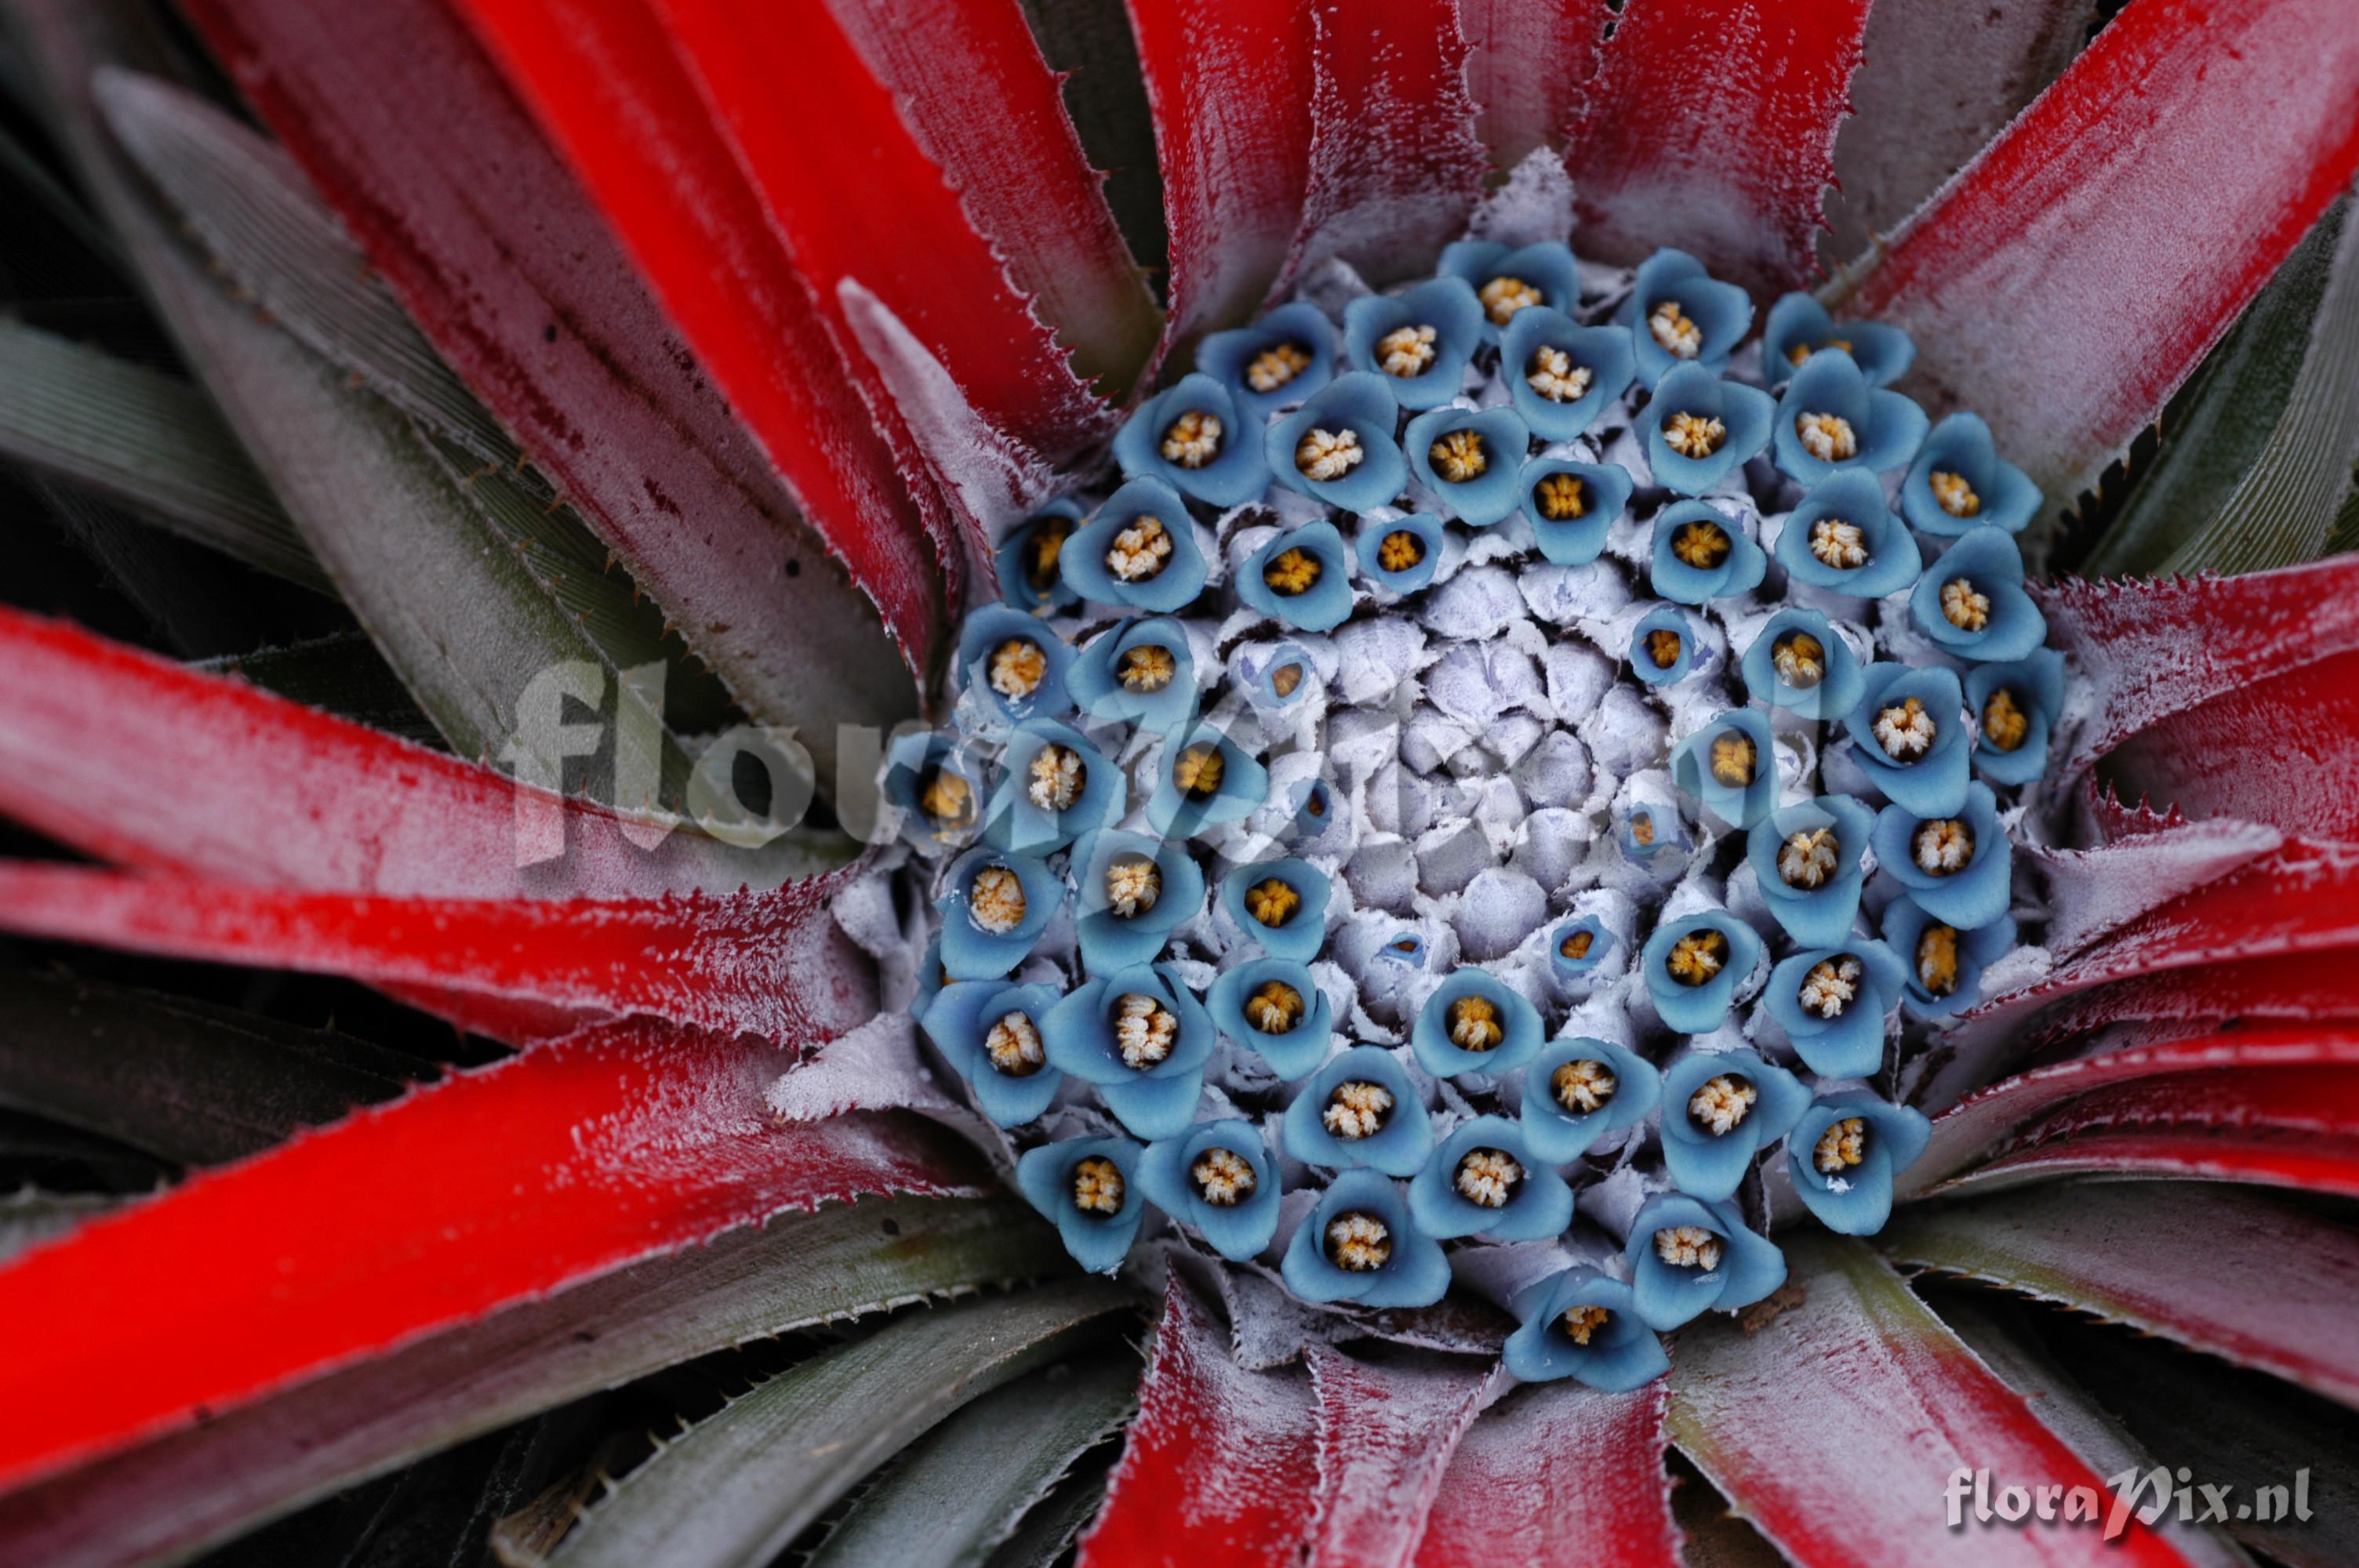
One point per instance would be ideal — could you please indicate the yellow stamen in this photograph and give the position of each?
(1400, 550)
(1057, 777)
(1937, 959)
(1695, 957)
(1956, 496)
(1097, 1186)
(1406, 352)
(1663, 647)
(1800, 660)
(1962, 606)
(1293, 571)
(1018, 667)
(1144, 1029)
(1688, 1246)
(1013, 1047)
(1047, 544)
(1285, 678)
(1274, 1008)
(1474, 1024)
(1943, 847)
(1146, 668)
(948, 799)
(1842, 1145)
(1582, 1086)
(1272, 902)
(1133, 884)
(1322, 455)
(1722, 1104)
(1642, 829)
(1488, 1177)
(1139, 551)
(1806, 859)
(1193, 439)
(1693, 434)
(1224, 1178)
(1674, 330)
(1197, 771)
(1276, 366)
(1577, 946)
(1827, 437)
(2004, 725)
(1582, 1322)
(1459, 455)
(1554, 376)
(1830, 986)
(1801, 351)
(995, 899)
(1701, 545)
(1732, 759)
(1357, 1110)
(1838, 544)
(1503, 297)
(1905, 731)
(1359, 1242)
(1561, 497)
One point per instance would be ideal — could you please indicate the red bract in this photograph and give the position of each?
(1556, 1478)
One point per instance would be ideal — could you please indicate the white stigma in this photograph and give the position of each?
(1056, 777)
(1830, 986)
(1406, 352)
(1324, 455)
(1144, 1031)
(1838, 543)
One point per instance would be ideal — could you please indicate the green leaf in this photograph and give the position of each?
(343, 674)
(177, 1496)
(1043, 1536)
(961, 1489)
(148, 440)
(742, 1485)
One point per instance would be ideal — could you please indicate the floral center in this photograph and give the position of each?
(2004, 724)
(1842, 1145)
(1693, 434)
(1275, 1009)
(1582, 1086)
(1013, 1046)
(1696, 956)
(1139, 551)
(1193, 439)
(1459, 455)
(1722, 1103)
(1406, 352)
(995, 901)
(1358, 1242)
(1955, 495)
(1905, 731)
(1937, 959)
(1284, 679)
(1488, 1177)
(1732, 758)
(1688, 1246)
(1962, 606)
(1663, 647)
(1800, 660)
(1701, 545)
(1272, 902)
(1224, 1178)
(1276, 366)
(1642, 829)
(1097, 1186)
(1293, 571)
(1146, 668)
(1504, 296)
(1357, 1110)
(1582, 1322)
(1474, 1024)
(1561, 497)
(1048, 543)
(1830, 986)
(1943, 847)
(1838, 544)
(1017, 669)
(1197, 771)
(1827, 437)
(1808, 858)
(1057, 777)
(1322, 455)
(1400, 550)
(1554, 376)
(1674, 332)
(1133, 883)
(946, 798)
(1801, 351)
(1144, 1029)
(1576, 947)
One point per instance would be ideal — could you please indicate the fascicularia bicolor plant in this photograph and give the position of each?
(1426, 743)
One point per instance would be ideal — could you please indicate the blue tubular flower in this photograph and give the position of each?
(1134, 892)
(1687, 1257)
(1843, 538)
(1338, 449)
(1013, 664)
(1359, 1109)
(1728, 766)
(1485, 1180)
(1303, 577)
(1799, 663)
(1798, 327)
(1474, 1023)
(1560, 376)
(1273, 1008)
(1510, 284)
(1971, 603)
(1832, 420)
(1054, 787)
(936, 787)
(1027, 558)
(1945, 964)
(1194, 437)
(1958, 482)
(1358, 1244)
(1203, 780)
(1705, 320)
(1717, 423)
(1701, 554)
(1140, 672)
(1138, 553)
(1956, 867)
(994, 908)
(1279, 676)
(1582, 1324)
(1720, 1110)
(1281, 904)
(1577, 1090)
(1281, 359)
(1572, 505)
(1087, 1188)
(1577, 947)
(1415, 343)
(1142, 1039)
(1472, 458)
(989, 1031)
(1693, 966)
(1217, 1176)
(2018, 704)
(1807, 859)
(931, 977)
(1661, 635)
(1645, 833)
(1907, 737)
(1832, 1001)
(1846, 1151)
(1401, 556)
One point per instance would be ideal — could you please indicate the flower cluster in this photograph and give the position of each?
(1503, 789)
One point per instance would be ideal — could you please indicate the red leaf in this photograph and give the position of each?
(2067, 280)
(1229, 86)
(1395, 167)
(1386, 1435)
(1835, 1428)
(490, 1188)
(405, 126)
(2304, 1162)
(769, 964)
(2280, 750)
(1525, 68)
(1219, 1465)
(1558, 1475)
(2293, 986)
(1711, 126)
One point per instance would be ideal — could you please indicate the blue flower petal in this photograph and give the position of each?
(1228, 357)
(1299, 935)
(2003, 496)
(1856, 1200)
(1357, 401)
(1517, 1022)
(1739, 571)
(989, 630)
(1602, 495)
(1046, 1176)
(1642, 655)
(1665, 1295)
(1111, 941)
(1974, 894)
(1234, 474)
(1236, 1230)
(1711, 1166)
(1017, 822)
(1851, 1044)
(1741, 805)
(1603, 351)
(1721, 311)
(1416, 1274)
(1822, 913)
(1024, 583)
(1558, 1133)
(912, 764)
(1799, 321)
(1538, 1205)
(970, 950)
(1933, 783)
(960, 1019)
(1855, 497)
(1490, 495)
(1445, 304)
(1424, 529)
(1622, 1353)
(1989, 561)
(2035, 686)
(1697, 1009)
(1747, 415)
(1326, 603)
(1174, 585)
(1887, 428)
(1179, 813)
(1965, 955)
(1839, 686)
(1079, 1036)
(1546, 266)
(1399, 1148)
(1095, 679)
(1292, 1052)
